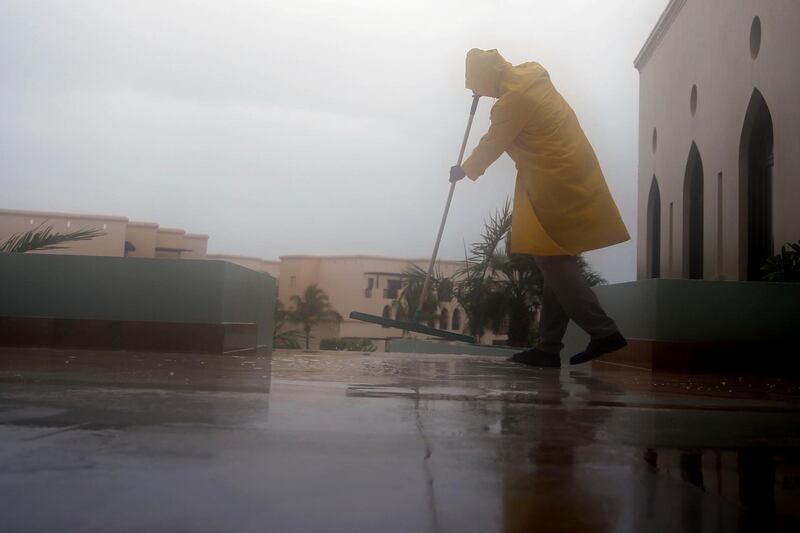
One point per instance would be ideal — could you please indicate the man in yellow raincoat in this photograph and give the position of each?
(562, 205)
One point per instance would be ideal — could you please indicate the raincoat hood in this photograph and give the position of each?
(484, 72)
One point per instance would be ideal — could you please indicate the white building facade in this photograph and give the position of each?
(719, 138)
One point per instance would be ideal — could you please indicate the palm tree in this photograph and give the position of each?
(407, 302)
(279, 317)
(283, 339)
(477, 287)
(784, 266)
(311, 309)
(519, 286)
(45, 239)
(496, 285)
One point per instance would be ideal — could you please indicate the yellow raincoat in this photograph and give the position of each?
(562, 205)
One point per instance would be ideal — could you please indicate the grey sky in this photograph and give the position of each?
(310, 126)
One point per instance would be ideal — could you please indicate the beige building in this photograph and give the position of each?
(122, 237)
(719, 138)
(364, 283)
(111, 244)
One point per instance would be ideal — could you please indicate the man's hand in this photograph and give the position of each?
(456, 173)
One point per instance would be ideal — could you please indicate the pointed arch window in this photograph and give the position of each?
(444, 319)
(654, 231)
(693, 215)
(756, 161)
(456, 325)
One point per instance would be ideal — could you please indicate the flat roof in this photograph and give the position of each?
(47, 214)
(137, 224)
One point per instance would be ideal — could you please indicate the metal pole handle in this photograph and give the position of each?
(429, 274)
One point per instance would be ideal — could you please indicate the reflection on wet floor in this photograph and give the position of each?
(389, 442)
(764, 481)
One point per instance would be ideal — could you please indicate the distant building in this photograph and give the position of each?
(369, 284)
(719, 138)
(123, 238)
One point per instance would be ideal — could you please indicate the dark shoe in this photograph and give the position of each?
(598, 347)
(536, 357)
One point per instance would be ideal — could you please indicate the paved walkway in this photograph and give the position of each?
(387, 442)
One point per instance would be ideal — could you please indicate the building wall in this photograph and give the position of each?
(197, 244)
(146, 237)
(143, 235)
(297, 273)
(111, 244)
(170, 243)
(708, 45)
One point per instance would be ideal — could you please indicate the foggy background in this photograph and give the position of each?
(310, 126)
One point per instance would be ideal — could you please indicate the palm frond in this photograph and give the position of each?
(310, 309)
(46, 239)
(408, 300)
(592, 276)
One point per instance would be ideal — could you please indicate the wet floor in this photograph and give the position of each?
(388, 442)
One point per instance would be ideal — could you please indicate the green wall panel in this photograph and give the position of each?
(698, 310)
(136, 289)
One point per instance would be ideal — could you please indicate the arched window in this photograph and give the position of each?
(693, 216)
(654, 231)
(456, 325)
(755, 187)
(444, 319)
(387, 313)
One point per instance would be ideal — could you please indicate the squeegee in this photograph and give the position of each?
(415, 325)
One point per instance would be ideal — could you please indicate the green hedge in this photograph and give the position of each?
(347, 345)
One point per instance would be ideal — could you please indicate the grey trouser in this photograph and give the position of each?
(568, 296)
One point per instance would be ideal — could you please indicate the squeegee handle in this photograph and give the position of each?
(474, 107)
(429, 274)
(472, 110)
